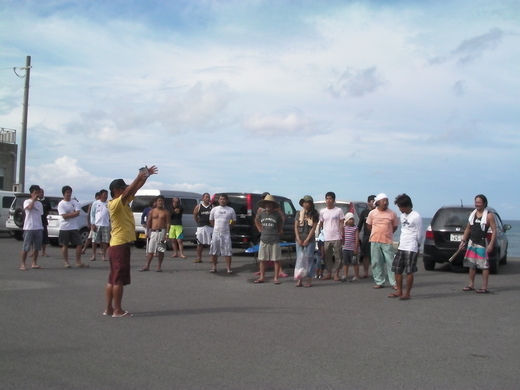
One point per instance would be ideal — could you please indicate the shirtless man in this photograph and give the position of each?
(157, 228)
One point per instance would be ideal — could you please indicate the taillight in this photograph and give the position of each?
(429, 233)
(488, 235)
(249, 205)
(351, 208)
(213, 199)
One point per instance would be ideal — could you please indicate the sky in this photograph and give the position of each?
(291, 97)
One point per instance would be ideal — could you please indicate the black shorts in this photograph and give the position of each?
(70, 237)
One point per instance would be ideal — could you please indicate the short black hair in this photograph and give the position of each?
(403, 200)
(103, 192)
(97, 194)
(159, 197)
(371, 197)
(65, 189)
(483, 197)
(224, 195)
(331, 194)
(34, 187)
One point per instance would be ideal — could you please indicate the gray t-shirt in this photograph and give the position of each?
(270, 226)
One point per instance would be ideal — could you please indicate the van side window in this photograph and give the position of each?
(189, 205)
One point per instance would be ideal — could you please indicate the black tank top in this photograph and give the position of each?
(476, 234)
(203, 214)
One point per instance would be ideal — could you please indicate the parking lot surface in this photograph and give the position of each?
(196, 330)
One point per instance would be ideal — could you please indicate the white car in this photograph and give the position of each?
(55, 219)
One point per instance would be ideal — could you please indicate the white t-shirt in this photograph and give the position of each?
(65, 207)
(33, 217)
(221, 217)
(331, 219)
(411, 232)
(99, 213)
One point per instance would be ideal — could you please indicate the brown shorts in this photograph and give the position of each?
(119, 257)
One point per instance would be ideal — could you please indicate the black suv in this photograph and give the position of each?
(445, 232)
(244, 233)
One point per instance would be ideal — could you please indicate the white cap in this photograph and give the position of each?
(380, 196)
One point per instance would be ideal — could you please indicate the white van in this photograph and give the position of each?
(6, 199)
(142, 200)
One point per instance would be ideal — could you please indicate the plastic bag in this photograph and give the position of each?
(301, 269)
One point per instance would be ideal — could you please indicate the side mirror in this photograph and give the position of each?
(507, 227)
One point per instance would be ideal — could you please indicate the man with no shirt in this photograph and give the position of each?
(157, 228)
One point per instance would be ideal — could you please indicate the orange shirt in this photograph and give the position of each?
(383, 224)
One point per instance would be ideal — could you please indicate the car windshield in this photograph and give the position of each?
(343, 206)
(448, 218)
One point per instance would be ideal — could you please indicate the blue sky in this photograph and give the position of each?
(290, 97)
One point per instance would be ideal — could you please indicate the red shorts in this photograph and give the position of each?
(119, 257)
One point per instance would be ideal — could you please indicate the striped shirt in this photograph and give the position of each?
(350, 238)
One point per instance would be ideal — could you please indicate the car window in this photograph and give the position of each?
(7, 201)
(188, 204)
(360, 207)
(451, 218)
(287, 208)
(141, 202)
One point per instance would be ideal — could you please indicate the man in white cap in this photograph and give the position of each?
(382, 223)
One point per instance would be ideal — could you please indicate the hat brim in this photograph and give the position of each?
(261, 203)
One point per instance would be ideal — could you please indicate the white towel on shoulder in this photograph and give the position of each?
(483, 221)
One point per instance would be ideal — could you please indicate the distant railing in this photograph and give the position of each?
(7, 136)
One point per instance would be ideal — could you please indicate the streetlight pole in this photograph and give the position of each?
(23, 140)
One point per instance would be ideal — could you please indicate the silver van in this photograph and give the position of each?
(142, 200)
(6, 199)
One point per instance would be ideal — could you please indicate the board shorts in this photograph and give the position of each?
(405, 262)
(204, 235)
(271, 252)
(70, 237)
(220, 244)
(102, 235)
(156, 236)
(349, 258)
(32, 238)
(476, 256)
(119, 258)
(176, 232)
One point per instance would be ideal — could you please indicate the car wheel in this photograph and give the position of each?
(54, 241)
(18, 235)
(84, 235)
(140, 244)
(429, 263)
(504, 260)
(493, 264)
(18, 217)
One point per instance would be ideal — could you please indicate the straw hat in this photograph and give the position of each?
(268, 198)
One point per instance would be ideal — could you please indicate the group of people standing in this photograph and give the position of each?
(341, 245)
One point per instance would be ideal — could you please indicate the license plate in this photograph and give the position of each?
(143, 235)
(53, 222)
(456, 237)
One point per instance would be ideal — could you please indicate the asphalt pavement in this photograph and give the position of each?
(196, 330)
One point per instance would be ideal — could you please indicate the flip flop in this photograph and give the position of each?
(482, 291)
(23, 268)
(158, 270)
(404, 298)
(107, 314)
(144, 270)
(126, 314)
(277, 282)
(258, 281)
(378, 286)
(229, 271)
(307, 285)
(394, 296)
(468, 288)
(213, 271)
(36, 267)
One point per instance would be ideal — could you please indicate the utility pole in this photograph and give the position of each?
(23, 146)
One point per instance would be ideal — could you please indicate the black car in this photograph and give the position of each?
(445, 232)
(244, 233)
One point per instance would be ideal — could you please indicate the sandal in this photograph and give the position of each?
(482, 291)
(468, 288)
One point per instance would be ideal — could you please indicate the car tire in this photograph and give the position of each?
(429, 263)
(54, 241)
(19, 217)
(504, 260)
(84, 235)
(493, 263)
(140, 244)
(18, 235)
